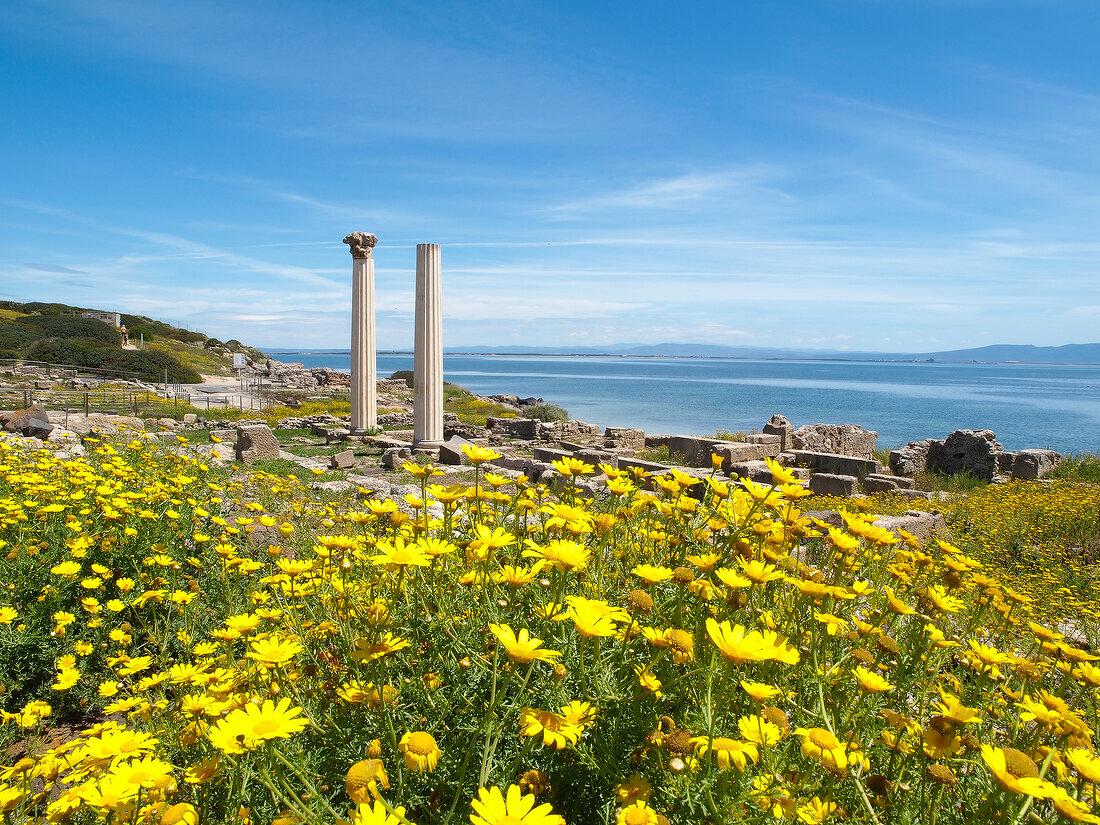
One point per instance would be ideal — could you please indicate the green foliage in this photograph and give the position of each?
(473, 410)
(65, 327)
(137, 324)
(92, 354)
(24, 663)
(403, 375)
(1078, 467)
(546, 412)
(40, 308)
(658, 455)
(14, 338)
(722, 434)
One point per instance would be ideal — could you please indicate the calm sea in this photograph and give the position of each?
(1026, 406)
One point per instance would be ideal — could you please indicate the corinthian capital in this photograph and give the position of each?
(361, 243)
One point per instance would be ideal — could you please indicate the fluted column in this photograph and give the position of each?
(428, 349)
(364, 370)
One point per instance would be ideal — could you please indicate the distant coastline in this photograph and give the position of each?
(948, 357)
(1026, 405)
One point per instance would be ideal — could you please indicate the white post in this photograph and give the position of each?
(364, 370)
(428, 349)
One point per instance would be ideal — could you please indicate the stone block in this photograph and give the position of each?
(32, 421)
(755, 470)
(168, 423)
(574, 427)
(394, 457)
(910, 459)
(764, 438)
(694, 451)
(657, 440)
(222, 452)
(833, 484)
(897, 482)
(534, 470)
(255, 442)
(394, 419)
(921, 524)
(549, 454)
(625, 437)
(525, 429)
(224, 435)
(596, 457)
(965, 451)
(467, 431)
(733, 452)
(190, 418)
(450, 451)
(842, 439)
(879, 484)
(832, 463)
(1033, 464)
(780, 426)
(343, 460)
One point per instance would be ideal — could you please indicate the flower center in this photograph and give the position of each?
(421, 743)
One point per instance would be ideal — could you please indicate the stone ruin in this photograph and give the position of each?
(298, 377)
(976, 452)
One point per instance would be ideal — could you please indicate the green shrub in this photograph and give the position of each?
(546, 412)
(403, 375)
(136, 324)
(49, 326)
(14, 338)
(91, 354)
(1078, 467)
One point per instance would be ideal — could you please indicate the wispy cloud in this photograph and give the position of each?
(694, 190)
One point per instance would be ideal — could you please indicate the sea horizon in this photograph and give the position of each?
(1026, 405)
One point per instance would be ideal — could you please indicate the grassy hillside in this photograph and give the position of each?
(56, 333)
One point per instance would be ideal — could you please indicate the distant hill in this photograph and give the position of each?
(1024, 354)
(993, 354)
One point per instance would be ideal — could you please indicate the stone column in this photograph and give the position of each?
(364, 370)
(428, 349)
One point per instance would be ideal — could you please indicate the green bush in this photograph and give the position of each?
(49, 326)
(136, 324)
(90, 354)
(14, 338)
(1078, 467)
(546, 412)
(403, 375)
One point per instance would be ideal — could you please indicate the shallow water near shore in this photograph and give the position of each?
(1052, 406)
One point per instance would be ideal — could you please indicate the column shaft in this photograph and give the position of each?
(428, 348)
(364, 369)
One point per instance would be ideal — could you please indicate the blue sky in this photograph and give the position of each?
(897, 175)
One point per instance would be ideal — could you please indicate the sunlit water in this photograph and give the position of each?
(1026, 405)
